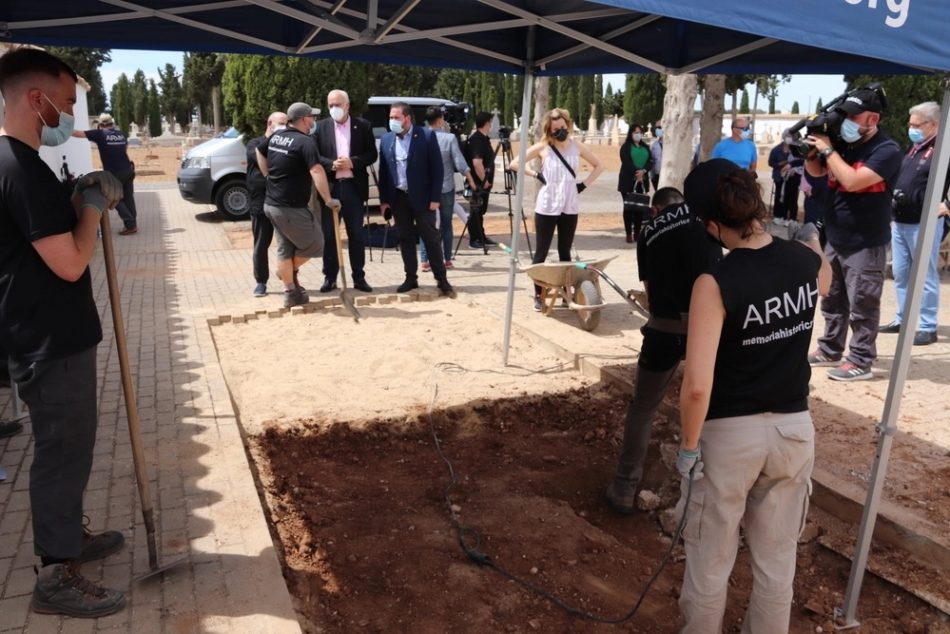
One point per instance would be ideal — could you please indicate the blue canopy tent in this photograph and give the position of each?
(554, 37)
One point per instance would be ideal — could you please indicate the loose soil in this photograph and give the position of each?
(363, 515)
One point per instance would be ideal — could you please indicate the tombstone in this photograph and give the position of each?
(133, 130)
(592, 122)
(495, 124)
(615, 131)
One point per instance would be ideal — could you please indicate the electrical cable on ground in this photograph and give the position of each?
(470, 540)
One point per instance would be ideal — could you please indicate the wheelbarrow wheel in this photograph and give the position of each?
(588, 294)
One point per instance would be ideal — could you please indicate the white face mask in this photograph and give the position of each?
(61, 133)
(637, 137)
(337, 113)
(788, 140)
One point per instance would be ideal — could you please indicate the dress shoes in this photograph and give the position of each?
(361, 285)
(328, 285)
(924, 338)
(446, 289)
(407, 286)
(891, 328)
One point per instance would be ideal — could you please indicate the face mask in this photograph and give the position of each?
(560, 134)
(658, 132)
(850, 130)
(395, 126)
(746, 134)
(337, 113)
(61, 133)
(637, 137)
(313, 127)
(916, 135)
(789, 140)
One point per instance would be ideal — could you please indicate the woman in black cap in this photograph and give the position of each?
(744, 404)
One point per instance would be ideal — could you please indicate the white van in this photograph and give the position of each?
(216, 172)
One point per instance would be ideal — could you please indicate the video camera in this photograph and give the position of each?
(456, 116)
(828, 120)
(504, 137)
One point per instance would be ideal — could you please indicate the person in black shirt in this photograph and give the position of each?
(672, 251)
(114, 153)
(291, 163)
(261, 227)
(747, 447)
(481, 158)
(49, 323)
(857, 229)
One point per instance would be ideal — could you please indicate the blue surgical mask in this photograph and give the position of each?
(61, 133)
(850, 130)
(395, 126)
(916, 135)
(658, 132)
(746, 134)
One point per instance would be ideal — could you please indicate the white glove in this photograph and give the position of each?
(334, 203)
(109, 185)
(688, 463)
(92, 197)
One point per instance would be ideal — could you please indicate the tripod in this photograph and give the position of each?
(504, 146)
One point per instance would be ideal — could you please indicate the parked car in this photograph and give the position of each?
(215, 172)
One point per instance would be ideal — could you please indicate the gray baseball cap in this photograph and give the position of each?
(299, 110)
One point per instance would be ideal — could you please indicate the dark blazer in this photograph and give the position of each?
(362, 150)
(423, 169)
(626, 179)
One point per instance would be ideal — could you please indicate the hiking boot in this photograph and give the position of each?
(295, 297)
(260, 290)
(848, 371)
(100, 545)
(622, 496)
(819, 358)
(407, 286)
(61, 589)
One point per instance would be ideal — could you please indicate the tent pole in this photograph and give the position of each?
(523, 143)
(888, 426)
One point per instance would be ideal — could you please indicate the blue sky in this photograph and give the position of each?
(806, 89)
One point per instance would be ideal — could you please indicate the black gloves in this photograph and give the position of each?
(540, 177)
(388, 214)
(581, 187)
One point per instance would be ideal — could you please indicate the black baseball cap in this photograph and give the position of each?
(862, 100)
(700, 189)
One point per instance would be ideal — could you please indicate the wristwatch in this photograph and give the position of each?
(828, 151)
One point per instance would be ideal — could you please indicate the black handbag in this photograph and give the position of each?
(637, 202)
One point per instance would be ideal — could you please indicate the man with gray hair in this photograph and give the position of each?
(291, 163)
(908, 202)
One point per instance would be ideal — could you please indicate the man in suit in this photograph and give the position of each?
(347, 148)
(410, 189)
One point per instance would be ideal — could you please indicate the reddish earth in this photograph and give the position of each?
(369, 544)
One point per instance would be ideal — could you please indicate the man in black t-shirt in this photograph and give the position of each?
(857, 227)
(49, 324)
(261, 227)
(673, 249)
(291, 163)
(113, 151)
(481, 158)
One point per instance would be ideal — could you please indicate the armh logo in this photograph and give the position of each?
(898, 10)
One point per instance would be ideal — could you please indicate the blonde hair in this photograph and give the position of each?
(551, 116)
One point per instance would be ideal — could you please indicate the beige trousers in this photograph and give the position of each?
(757, 473)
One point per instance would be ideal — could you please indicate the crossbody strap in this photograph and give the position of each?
(563, 160)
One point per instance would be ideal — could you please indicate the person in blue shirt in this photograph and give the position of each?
(739, 147)
(113, 151)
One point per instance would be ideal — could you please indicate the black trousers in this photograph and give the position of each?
(544, 226)
(785, 203)
(126, 206)
(413, 225)
(263, 231)
(476, 215)
(61, 395)
(352, 213)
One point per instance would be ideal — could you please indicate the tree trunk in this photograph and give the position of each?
(710, 124)
(216, 107)
(678, 129)
(541, 85)
(734, 111)
(755, 107)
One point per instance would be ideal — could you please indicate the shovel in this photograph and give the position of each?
(135, 432)
(346, 295)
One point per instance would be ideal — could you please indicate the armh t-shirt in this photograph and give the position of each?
(770, 295)
(862, 219)
(673, 249)
(290, 154)
(42, 316)
(113, 149)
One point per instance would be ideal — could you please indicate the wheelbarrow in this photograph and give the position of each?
(577, 284)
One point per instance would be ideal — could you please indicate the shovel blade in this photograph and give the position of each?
(346, 296)
(158, 572)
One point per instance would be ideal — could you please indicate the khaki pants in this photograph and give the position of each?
(757, 472)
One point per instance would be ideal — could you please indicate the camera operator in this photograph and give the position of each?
(481, 158)
(860, 176)
(908, 206)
